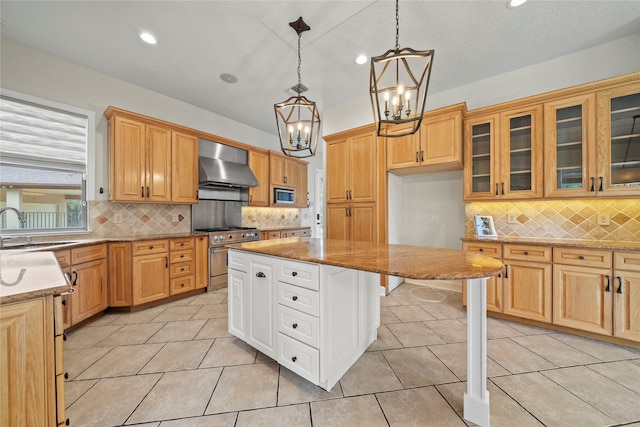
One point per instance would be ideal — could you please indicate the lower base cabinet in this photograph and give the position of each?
(315, 320)
(31, 363)
(626, 307)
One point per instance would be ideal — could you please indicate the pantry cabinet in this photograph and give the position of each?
(259, 164)
(436, 147)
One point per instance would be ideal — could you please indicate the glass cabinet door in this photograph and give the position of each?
(569, 126)
(619, 141)
(480, 158)
(521, 155)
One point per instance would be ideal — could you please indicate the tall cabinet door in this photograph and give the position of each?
(521, 154)
(128, 152)
(618, 140)
(338, 171)
(158, 177)
(569, 152)
(184, 168)
(482, 161)
(259, 164)
(363, 169)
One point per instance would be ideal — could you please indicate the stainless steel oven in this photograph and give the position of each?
(218, 238)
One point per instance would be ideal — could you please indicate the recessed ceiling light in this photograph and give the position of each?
(361, 59)
(148, 38)
(515, 3)
(228, 78)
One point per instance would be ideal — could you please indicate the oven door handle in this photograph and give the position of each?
(226, 259)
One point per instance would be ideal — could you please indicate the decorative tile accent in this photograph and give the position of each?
(270, 217)
(561, 219)
(137, 219)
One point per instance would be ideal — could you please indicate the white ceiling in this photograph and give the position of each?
(200, 40)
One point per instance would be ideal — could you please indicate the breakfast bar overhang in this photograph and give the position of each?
(413, 262)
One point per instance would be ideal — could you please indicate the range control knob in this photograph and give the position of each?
(230, 236)
(215, 238)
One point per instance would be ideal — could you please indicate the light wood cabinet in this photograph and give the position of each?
(570, 147)
(120, 256)
(528, 290)
(626, 295)
(618, 141)
(436, 147)
(352, 221)
(149, 161)
(150, 278)
(86, 270)
(494, 293)
(301, 192)
(259, 164)
(202, 261)
(184, 168)
(28, 363)
(182, 266)
(351, 166)
(283, 170)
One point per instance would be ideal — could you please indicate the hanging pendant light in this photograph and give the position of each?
(298, 118)
(398, 87)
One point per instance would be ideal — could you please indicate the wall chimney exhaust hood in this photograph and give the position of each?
(223, 166)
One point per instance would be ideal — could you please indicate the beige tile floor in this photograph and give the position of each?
(176, 365)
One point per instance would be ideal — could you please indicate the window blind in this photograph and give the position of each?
(39, 136)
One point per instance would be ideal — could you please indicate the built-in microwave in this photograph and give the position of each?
(283, 196)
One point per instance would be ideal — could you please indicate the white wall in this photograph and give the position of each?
(27, 70)
(441, 194)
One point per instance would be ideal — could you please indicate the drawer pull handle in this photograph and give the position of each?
(182, 269)
(619, 285)
(295, 298)
(608, 288)
(64, 302)
(260, 274)
(64, 336)
(181, 256)
(581, 257)
(481, 249)
(66, 375)
(294, 326)
(526, 252)
(66, 422)
(294, 358)
(150, 247)
(294, 274)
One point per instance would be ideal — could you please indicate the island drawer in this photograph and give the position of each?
(299, 325)
(299, 358)
(527, 253)
(301, 299)
(299, 273)
(150, 247)
(493, 250)
(238, 261)
(628, 261)
(582, 257)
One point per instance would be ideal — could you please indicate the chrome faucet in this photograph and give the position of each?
(20, 217)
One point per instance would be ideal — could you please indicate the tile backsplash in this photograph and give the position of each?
(138, 219)
(561, 219)
(270, 217)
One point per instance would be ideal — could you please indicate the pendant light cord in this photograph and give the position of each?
(299, 62)
(397, 26)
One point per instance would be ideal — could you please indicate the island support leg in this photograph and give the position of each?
(476, 399)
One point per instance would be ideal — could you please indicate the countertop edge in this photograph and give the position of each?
(577, 243)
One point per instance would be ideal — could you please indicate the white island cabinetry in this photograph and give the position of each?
(316, 320)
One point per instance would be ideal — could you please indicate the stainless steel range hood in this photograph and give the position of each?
(224, 172)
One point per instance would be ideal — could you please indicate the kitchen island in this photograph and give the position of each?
(313, 304)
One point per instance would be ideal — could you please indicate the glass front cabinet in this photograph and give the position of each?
(618, 141)
(504, 155)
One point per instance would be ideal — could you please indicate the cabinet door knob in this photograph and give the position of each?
(295, 298)
(295, 325)
(260, 274)
(581, 257)
(150, 247)
(294, 274)
(526, 252)
(294, 358)
(481, 249)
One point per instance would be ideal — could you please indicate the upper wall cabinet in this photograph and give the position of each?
(289, 173)
(259, 164)
(149, 162)
(618, 141)
(436, 147)
(503, 155)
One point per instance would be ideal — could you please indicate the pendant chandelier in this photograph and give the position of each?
(398, 87)
(298, 118)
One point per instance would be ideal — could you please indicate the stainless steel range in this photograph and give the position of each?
(218, 238)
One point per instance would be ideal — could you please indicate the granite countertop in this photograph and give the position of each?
(291, 227)
(413, 262)
(593, 244)
(26, 275)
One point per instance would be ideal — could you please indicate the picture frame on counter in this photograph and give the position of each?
(484, 226)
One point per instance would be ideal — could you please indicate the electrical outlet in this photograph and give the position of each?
(603, 218)
(174, 218)
(430, 217)
(117, 218)
(512, 217)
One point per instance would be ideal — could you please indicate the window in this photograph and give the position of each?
(44, 149)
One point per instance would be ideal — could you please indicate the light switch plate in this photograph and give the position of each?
(117, 218)
(512, 217)
(603, 218)
(174, 218)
